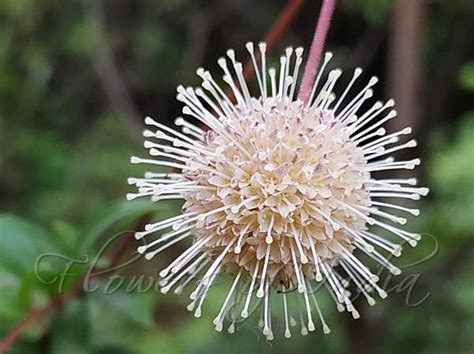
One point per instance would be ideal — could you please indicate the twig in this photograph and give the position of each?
(281, 24)
(316, 49)
(75, 290)
(54, 303)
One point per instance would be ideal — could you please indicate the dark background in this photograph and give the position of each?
(76, 80)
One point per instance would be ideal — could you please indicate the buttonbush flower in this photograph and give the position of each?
(280, 194)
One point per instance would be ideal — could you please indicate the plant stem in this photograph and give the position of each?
(278, 28)
(316, 49)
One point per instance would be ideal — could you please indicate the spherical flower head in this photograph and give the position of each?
(279, 193)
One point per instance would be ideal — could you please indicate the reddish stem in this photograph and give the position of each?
(274, 34)
(283, 21)
(54, 303)
(316, 50)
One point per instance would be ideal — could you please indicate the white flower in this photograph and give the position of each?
(278, 193)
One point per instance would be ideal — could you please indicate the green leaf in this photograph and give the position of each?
(66, 234)
(120, 216)
(133, 307)
(21, 242)
(71, 328)
(30, 259)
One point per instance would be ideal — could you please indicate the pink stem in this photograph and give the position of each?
(316, 50)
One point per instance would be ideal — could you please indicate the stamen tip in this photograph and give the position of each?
(149, 121)
(131, 196)
(149, 256)
(327, 56)
(373, 80)
(231, 53)
(412, 243)
(424, 191)
(186, 110)
(395, 271)
(222, 62)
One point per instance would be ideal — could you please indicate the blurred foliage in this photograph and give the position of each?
(64, 156)
(453, 183)
(466, 76)
(375, 12)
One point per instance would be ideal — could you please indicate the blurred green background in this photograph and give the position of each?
(76, 79)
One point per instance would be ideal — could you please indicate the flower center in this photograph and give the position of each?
(282, 188)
